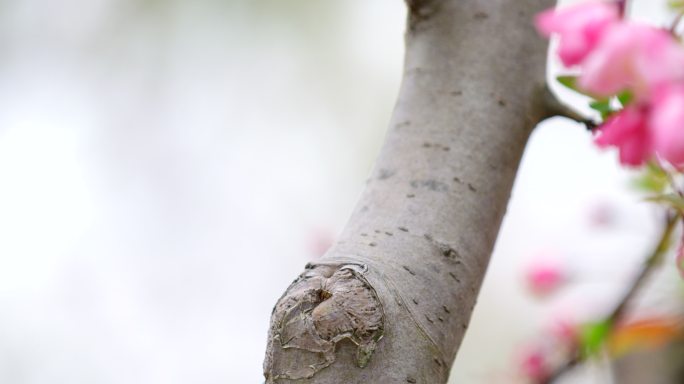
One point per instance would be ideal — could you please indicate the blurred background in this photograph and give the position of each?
(167, 167)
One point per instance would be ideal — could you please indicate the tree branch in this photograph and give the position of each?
(391, 300)
(555, 107)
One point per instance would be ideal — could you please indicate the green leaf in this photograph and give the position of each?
(568, 81)
(625, 98)
(602, 106)
(593, 336)
(675, 4)
(652, 179)
(672, 199)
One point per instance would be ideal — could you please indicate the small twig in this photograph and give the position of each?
(555, 107)
(673, 183)
(617, 314)
(675, 23)
(648, 267)
(622, 7)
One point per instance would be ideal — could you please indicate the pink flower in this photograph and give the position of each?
(635, 57)
(580, 28)
(544, 277)
(565, 332)
(533, 364)
(628, 131)
(667, 123)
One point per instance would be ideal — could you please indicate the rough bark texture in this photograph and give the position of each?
(390, 302)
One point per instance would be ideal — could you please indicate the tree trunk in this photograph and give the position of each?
(391, 300)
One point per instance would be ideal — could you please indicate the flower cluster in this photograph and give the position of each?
(640, 65)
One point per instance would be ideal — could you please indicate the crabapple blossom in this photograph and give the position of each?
(533, 364)
(633, 57)
(580, 28)
(628, 131)
(667, 123)
(619, 57)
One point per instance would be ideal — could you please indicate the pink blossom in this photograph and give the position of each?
(628, 131)
(617, 56)
(667, 123)
(533, 364)
(635, 57)
(564, 331)
(580, 28)
(544, 276)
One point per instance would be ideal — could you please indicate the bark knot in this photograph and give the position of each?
(323, 306)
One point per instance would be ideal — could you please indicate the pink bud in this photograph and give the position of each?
(533, 364)
(544, 277)
(564, 331)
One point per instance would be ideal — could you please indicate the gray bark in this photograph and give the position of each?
(391, 300)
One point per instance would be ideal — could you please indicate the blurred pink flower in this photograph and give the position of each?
(628, 131)
(564, 331)
(580, 28)
(601, 214)
(635, 57)
(533, 364)
(667, 123)
(544, 276)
